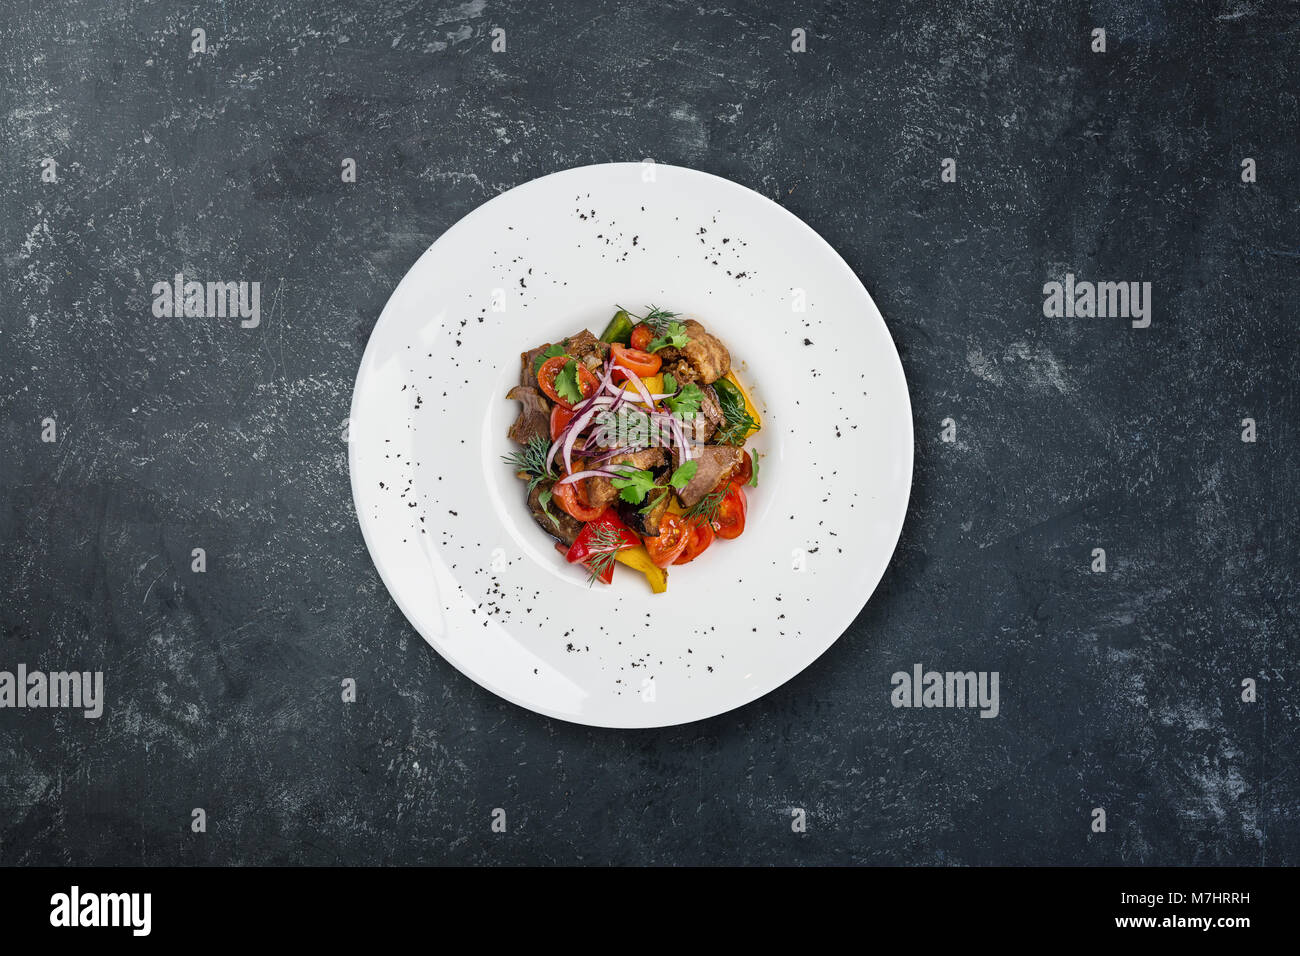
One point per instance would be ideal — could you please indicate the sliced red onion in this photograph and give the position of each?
(640, 387)
(606, 456)
(578, 424)
(680, 438)
(589, 473)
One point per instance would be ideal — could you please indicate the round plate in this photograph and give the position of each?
(445, 518)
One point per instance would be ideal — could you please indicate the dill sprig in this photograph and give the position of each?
(706, 509)
(654, 317)
(603, 549)
(737, 423)
(531, 461)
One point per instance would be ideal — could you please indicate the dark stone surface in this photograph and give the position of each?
(1119, 690)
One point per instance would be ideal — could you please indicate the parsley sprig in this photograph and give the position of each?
(566, 383)
(550, 352)
(683, 402)
(674, 334)
(636, 484)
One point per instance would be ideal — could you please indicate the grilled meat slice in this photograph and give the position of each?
(709, 419)
(534, 419)
(527, 363)
(601, 493)
(717, 463)
(705, 354)
(565, 528)
(586, 348)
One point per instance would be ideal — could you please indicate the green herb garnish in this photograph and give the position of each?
(686, 402)
(679, 480)
(674, 335)
(753, 477)
(566, 383)
(736, 420)
(530, 461)
(634, 485)
(603, 547)
(544, 500)
(551, 351)
(658, 319)
(683, 475)
(706, 509)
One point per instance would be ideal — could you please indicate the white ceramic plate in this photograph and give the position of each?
(445, 519)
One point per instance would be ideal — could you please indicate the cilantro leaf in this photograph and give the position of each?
(551, 351)
(683, 475)
(675, 335)
(544, 500)
(634, 485)
(687, 402)
(670, 383)
(566, 383)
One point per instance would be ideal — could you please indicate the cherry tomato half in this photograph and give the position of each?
(551, 369)
(701, 536)
(730, 520)
(670, 542)
(642, 336)
(644, 364)
(574, 501)
(560, 416)
(742, 475)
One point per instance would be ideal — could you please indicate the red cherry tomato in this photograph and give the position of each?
(551, 369)
(730, 520)
(671, 541)
(574, 501)
(743, 473)
(560, 416)
(642, 336)
(701, 536)
(643, 364)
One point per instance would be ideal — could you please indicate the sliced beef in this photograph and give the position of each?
(705, 354)
(710, 407)
(586, 348)
(717, 463)
(527, 373)
(709, 418)
(534, 419)
(681, 370)
(601, 493)
(564, 528)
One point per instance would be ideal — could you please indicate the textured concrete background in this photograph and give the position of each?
(1119, 690)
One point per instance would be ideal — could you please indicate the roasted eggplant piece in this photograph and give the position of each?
(646, 522)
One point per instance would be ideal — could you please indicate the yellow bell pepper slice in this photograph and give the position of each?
(654, 385)
(638, 559)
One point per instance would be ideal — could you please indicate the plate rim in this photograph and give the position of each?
(840, 627)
